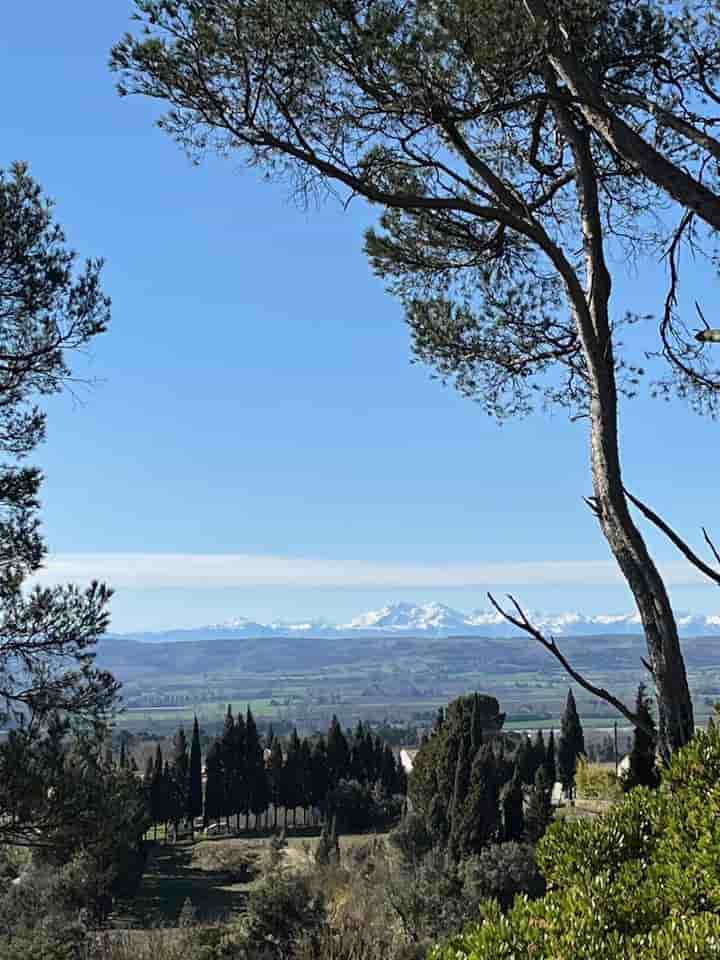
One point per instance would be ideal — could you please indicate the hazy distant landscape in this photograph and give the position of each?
(392, 672)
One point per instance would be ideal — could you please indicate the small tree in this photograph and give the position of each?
(572, 745)
(643, 771)
(539, 812)
(511, 806)
(195, 797)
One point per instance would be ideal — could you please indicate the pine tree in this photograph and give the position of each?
(571, 746)
(195, 797)
(539, 813)
(511, 806)
(643, 771)
(549, 763)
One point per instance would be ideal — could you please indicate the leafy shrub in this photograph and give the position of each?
(502, 872)
(640, 883)
(411, 838)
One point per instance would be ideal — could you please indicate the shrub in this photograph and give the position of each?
(641, 882)
(411, 838)
(502, 872)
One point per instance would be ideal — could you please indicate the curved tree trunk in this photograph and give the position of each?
(591, 308)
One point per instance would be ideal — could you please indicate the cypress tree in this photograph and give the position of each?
(538, 814)
(239, 785)
(461, 786)
(195, 798)
(368, 758)
(539, 752)
(305, 777)
(180, 776)
(214, 784)
(275, 774)
(123, 757)
(378, 751)
(388, 774)
(256, 778)
(338, 753)
(476, 734)
(156, 789)
(511, 805)
(479, 820)
(320, 775)
(643, 771)
(549, 764)
(571, 746)
(291, 780)
(229, 767)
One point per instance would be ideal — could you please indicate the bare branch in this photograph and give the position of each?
(686, 551)
(522, 623)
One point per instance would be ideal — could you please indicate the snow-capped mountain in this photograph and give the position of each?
(437, 620)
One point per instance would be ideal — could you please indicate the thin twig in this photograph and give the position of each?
(522, 623)
(686, 551)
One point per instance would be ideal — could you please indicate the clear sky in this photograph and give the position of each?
(257, 442)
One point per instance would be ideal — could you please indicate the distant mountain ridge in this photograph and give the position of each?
(431, 620)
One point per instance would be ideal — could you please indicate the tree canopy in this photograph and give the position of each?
(503, 185)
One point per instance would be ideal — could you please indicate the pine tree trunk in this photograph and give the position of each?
(590, 307)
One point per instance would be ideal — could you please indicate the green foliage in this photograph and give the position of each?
(643, 771)
(502, 872)
(539, 812)
(642, 881)
(571, 746)
(411, 838)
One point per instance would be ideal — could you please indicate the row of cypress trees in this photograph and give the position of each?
(242, 779)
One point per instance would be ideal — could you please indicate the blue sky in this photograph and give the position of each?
(257, 442)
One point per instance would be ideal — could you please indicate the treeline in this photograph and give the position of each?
(342, 773)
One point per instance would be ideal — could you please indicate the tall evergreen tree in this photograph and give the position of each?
(275, 776)
(338, 752)
(180, 776)
(292, 777)
(256, 777)
(214, 784)
(538, 813)
(157, 809)
(388, 774)
(571, 746)
(122, 763)
(549, 764)
(305, 777)
(195, 797)
(478, 822)
(320, 775)
(461, 786)
(511, 806)
(643, 771)
(476, 732)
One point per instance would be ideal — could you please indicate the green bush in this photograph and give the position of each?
(640, 883)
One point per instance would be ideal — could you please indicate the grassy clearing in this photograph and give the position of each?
(212, 874)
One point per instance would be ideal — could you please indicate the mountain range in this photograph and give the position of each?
(432, 620)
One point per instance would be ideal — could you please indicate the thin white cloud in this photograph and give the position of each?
(150, 571)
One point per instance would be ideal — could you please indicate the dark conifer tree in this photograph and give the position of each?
(439, 720)
(643, 771)
(229, 767)
(368, 758)
(305, 778)
(571, 746)
(511, 805)
(214, 784)
(320, 775)
(539, 752)
(378, 751)
(180, 776)
(270, 736)
(292, 777)
(123, 757)
(479, 820)
(258, 793)
(275, 776)
(195, 797)
(461, 786)
(538, 814)
(476, 733)
(338, 753)
(388, 774)
(156, 789)
(239, 783)
(549, 764)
